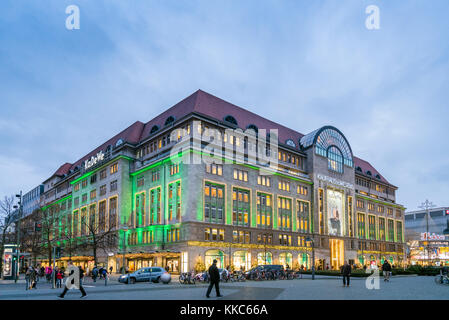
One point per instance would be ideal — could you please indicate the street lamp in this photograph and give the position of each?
(309, 239)
(427, 205)
(20, 207)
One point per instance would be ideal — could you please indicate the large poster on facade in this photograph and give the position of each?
(335, 212)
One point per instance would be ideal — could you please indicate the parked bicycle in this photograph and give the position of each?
(186, 278)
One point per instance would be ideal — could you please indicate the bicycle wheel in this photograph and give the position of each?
(438, 279)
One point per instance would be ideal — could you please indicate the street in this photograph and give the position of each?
(328, 288)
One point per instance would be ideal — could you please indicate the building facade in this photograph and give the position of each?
(427, 236)
(209, 180)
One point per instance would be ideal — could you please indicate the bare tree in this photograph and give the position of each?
(48, 222)
(31, 239)
(98, 235)
(6, 220)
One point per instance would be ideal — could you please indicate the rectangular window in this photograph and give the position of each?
(302, 190)
(302, 216)
(84, 183)
(264, 210)
(76, 187)
(361, 225)
(114, 168)
(381, 229)
(93, 178)
(320, 210)
(140, 210)
(102, 216)
(75, 223)
(174, 201)
(390, 230)
(102, 190)
(372, 227)
(140, 181)
(76, 201)
(93, 194)
(174, 169)
(84, 198)
(284, 213)
(155, 206)
(112, 213)
(113, 186)
(214, 203)
(155, 176)
(370, 206)
(284, 185)
(241, 175)
(103, 174)
(216, 169)
(240, 207)
(360, 204)
(264, 181)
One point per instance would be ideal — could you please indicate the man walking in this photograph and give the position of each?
(346, 273)
(386, 268)
(214, 279)
(71, 267)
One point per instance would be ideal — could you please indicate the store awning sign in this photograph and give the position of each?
(433, 236)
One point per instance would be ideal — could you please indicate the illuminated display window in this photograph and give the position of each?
(140, 210)
(285, 240)
(264, 238)
(264, 210)
(112, 223)
(213, 234)
(390, 230)
(398, 231)
(214, 203)
(372, 227)
(334, 159)
(240, 236)
(320, 210)
(173, 235)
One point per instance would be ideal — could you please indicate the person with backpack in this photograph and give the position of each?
(27, 278)
(386, 268)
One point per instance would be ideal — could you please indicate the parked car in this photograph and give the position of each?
(265, 267)
(144, 274)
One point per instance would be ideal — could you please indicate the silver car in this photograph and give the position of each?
(144, 274)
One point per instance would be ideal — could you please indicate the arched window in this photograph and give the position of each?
(119, 142)
(369, 173)
(154, 129)
(334, 159)
(231, 119)
(358, 169)
(253, 127)
(377, 176)
(169, 120)
(290, 143)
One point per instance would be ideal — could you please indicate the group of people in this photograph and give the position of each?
(101, 273)
(33, 274)
(346, 272)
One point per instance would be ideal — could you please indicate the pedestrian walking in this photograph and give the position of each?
(72, 271)
(110, 270)
(33, 279)
(105, 276)
(94, 274)
(27, 278)
(214, 275)
(346, 273)
(386, 268)
(59, 277)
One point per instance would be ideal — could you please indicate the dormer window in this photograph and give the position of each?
(369, 173)
(154, 129)
(119, 142)
(290, 143)
(359, 169)
(378, 176)
(169, 120)
(231, 120)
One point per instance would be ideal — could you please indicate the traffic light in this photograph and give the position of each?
(37, 226)
(58, 252)
(447, 212)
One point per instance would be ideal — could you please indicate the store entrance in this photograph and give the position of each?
(337, 253)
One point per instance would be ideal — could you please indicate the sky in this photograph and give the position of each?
(304, 64)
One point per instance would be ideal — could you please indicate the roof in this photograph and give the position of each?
(208, 105)
(366, 166)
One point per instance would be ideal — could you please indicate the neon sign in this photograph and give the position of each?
(93, 160)
(433, 236)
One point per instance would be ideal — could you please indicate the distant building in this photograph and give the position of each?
(427, 236)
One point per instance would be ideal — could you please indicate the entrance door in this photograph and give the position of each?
(337, 253)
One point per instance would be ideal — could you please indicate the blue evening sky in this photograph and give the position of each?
(304, 64)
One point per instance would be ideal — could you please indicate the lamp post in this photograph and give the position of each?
(20, 207)
(427, 205)
(309, 239)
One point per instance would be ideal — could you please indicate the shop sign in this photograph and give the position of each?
(94, 160)
(335, 181)
(433, 236)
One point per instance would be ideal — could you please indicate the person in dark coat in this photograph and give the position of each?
(346, 273)
(81, 274)
(214, 279)
(386, 268)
